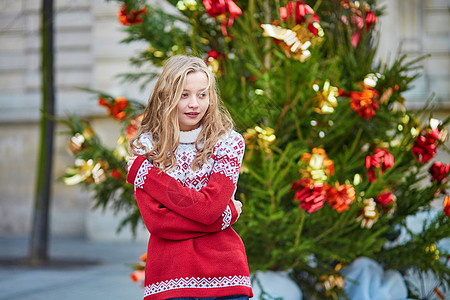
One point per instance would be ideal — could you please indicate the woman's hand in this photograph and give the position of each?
(238, 206)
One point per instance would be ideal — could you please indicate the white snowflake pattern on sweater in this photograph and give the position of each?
(229, 148)
(227, 156)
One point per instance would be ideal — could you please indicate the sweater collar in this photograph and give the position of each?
(189, 137)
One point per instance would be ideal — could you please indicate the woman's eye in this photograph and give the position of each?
(203, 95)
(184, 95)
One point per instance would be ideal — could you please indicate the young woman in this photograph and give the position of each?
(185, 166)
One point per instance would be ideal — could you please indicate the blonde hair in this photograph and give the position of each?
(161, 118)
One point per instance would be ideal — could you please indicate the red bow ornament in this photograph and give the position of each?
(300, 12)
(216, 8)
(311, 196)
(382, 159)
(131, 17)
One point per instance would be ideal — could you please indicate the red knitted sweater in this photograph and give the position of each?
(192, 250)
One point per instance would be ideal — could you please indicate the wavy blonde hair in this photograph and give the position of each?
(161, 118)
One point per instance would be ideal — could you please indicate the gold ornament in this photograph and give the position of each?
(296, 41)
(262, 137)
(326, 99)
(257, 138)
(371, 79)
(88, 171)
(214, 66)
(332, 281)
(316, 165)
(76, 143)
(121, 151)
(187, 5)
(433, 250)
(386, 95)
(369, 214)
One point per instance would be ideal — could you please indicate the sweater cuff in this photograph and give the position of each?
(227, 215)
(135, 167)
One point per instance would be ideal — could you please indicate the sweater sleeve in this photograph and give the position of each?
(204, 206)
(167, 224)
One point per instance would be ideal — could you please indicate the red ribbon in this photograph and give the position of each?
(216, 8)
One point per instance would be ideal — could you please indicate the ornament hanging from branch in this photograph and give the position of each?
(86, 171)
(131, 17)
(439, 174)
(134, 126)
(215, 61)
(387, 202)
(222, 9)
(326, 98)
(369, 214)
(78, 140)
(116, 107)
(360, 19)
(301, 13)
(365, 103)
(304, 30)
(427, 142)
(310, 195)
(381, 160)
(316, 165)
(295, 43)
(260, 137)
(446, 205)
(340, 196)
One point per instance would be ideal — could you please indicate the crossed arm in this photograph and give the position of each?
(167, 224)
(173, 211)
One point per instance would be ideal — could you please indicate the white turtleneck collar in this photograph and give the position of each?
(189, 137)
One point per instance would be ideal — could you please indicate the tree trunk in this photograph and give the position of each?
(40, 226)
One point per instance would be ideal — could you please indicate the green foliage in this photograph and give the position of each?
(263, 83)
(101, 169)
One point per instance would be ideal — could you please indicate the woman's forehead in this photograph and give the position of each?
(196, 81)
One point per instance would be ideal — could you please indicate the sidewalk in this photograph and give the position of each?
(106, 277)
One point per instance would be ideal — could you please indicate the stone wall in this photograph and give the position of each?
(87, 54)
(420, 27)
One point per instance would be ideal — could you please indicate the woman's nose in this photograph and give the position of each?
(193, 101)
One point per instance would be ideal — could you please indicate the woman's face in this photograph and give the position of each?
(194, 101)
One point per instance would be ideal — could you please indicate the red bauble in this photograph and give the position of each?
(385, 198)
(439, 172)
(382, 159)
(116, 174)
(215, 8)
(300, 11)
(371, 19)
(426, 144)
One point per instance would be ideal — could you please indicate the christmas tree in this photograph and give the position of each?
(334, 162)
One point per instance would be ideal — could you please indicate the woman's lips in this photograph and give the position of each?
(192, 114)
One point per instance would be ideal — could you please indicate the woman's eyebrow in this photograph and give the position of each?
(201, 90)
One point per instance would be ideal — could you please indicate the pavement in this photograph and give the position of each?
(82, 269)
(79, 269)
